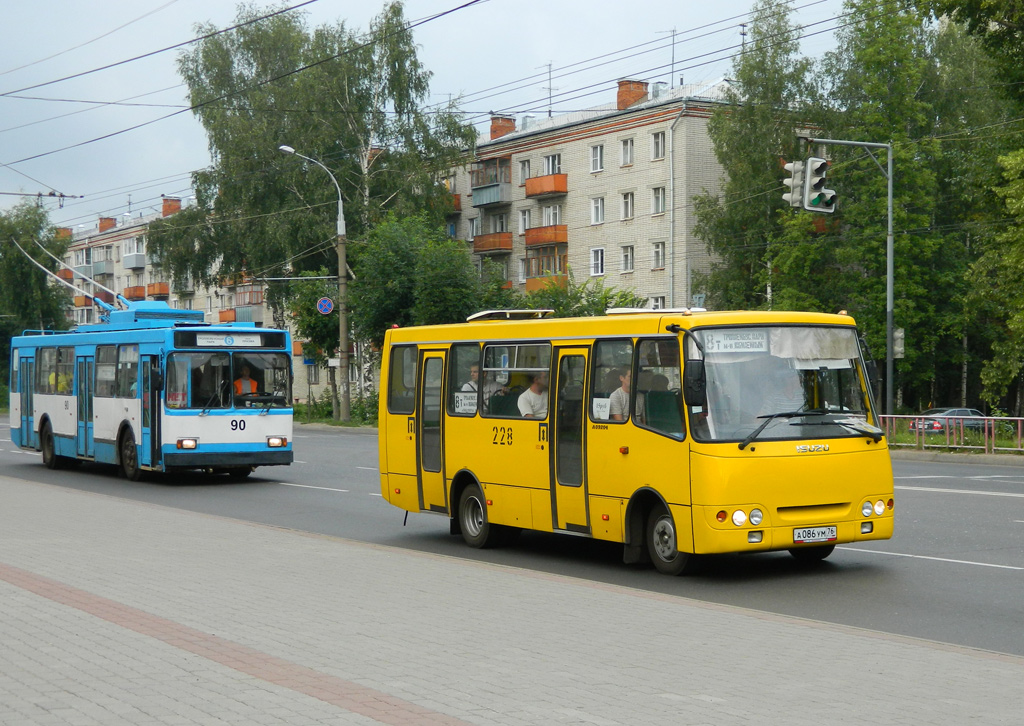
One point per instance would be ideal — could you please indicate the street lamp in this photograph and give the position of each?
(343, 407)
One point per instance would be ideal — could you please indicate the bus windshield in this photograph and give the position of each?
(218, 380)
(785, 382)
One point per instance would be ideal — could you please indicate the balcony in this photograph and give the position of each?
(103, 267)
(249, 314)
(550, 235)
(491, 182)
(550, 185)
(539, 283)
(135, 260)
(135, 292)
(158, 289)
(83, 270)
(456, 202)
(105, 296)
(65, 274)
(227, 316)
(83, 301)
(494, 243)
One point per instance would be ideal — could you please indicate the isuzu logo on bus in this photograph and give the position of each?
(811, 448)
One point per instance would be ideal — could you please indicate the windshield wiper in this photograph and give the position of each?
(771, 417)
(861, 427)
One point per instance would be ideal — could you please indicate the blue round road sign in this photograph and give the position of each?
(324, 305)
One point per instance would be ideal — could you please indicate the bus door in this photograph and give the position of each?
(149, 447)
(26, 383)
(569, 476)
(84, 384)
(429, 436)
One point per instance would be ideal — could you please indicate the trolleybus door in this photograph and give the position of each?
(83, 384)
(429, 436)
(149, 446)
(569, 475)
(26, 382)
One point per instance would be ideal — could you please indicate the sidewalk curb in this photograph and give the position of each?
(949, 458)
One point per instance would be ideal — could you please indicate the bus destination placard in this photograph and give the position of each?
(230, 340)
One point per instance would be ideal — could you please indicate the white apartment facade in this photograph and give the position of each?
(607, 192)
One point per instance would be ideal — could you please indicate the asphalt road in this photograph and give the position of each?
(953, 572)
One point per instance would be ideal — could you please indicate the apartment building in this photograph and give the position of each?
(606, 192)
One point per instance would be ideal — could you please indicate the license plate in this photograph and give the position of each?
(814, 534)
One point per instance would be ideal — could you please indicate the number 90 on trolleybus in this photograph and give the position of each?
(153, 388)
(676, 433)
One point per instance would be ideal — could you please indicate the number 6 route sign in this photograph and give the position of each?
(324, 306)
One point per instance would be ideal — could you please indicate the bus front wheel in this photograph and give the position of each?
(662, 543)
(476, 530)
(130, 457)
(812, 554)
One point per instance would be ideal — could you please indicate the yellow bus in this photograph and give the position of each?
(676, 433)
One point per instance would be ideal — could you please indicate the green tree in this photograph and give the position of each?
(581, 300)
(28, 297)
(353, 101)
(751, 137)
(319, 333)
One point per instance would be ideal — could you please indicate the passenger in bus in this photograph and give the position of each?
(244, 384)
(473, 384)
(533, 402)
(618, 402)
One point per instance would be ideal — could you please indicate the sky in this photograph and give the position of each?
(113, 141)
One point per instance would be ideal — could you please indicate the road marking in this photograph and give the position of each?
(367, 468)
(935, 559)
(308, 486)
(963, 491)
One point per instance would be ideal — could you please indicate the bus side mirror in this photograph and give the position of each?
(694, 383)
(871, 368)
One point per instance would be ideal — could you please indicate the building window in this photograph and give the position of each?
(627, 205)
(449, 183)
(524, 171)
(474, 227)
(626, 152)
(553, 164)
(597, 210)
(135, 245)
(499, 223)
(658, 145)
(658, 200)
(657, 303)
(597, 261)
(657, 255)
(597, 158)
(627, 258)
(524, 220)
(552, 215)
(522, 269)
(313, 375)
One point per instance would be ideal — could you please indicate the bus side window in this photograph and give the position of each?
(127, 382)
(611, 359)
(660, 401)
(402, 380)
(106, 368)
(464, 381)
(46, 370)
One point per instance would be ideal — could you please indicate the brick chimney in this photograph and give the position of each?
(107, 223)
(63, 232)
(630, 92)
(172, 205)
(501, 125)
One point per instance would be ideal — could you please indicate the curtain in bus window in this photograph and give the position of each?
(106, 367)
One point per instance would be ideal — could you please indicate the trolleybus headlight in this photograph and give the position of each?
(865, 509)
(276, 442)
(188, 443)
(756, 517)
(739, 517)
(879, 507)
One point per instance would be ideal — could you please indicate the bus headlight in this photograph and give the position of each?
(865, 509)
(276, 442)
(879, 507)
(756, 516)
(188, 443)
(739, 517)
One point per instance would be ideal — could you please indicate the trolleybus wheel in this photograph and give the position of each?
(476, 530)
(130, 457)
(662, 544)
(50, 458)
(812, 554)
(238, 473)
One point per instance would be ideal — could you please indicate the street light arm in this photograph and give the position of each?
(341, 212)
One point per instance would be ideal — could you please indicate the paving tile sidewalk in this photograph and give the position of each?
(117, 612)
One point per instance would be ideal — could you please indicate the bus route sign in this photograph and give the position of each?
(324, 306)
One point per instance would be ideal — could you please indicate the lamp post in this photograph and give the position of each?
(344, 400)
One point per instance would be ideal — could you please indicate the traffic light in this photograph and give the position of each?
(816, 197)
(897, 343)
(795, 183)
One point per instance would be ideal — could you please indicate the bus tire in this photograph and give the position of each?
(812, 554)
(661, 543)
(49, 448)
(476, 530)
(238, 473)
(129, 456)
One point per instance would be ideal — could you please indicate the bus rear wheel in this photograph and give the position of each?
(46, 443)
(662, 543)
(129, 457)
(476, 530)
(812, 554)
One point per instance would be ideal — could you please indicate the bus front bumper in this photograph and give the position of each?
(201, 460)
